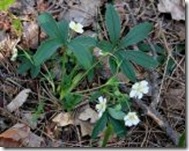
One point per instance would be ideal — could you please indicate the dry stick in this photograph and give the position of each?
(164, 74)
(155, 115)
(151, 111)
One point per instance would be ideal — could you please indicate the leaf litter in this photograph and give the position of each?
(85, 118)
(85, 12)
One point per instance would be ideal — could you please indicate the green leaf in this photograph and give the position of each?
(119, 127)
(113, 24)
(91, 75)
(128, 70)
(71, 100)
(105, 46)
(113, 64)
(75, 81)
(24, 66)
(46, 50)
(146, 48)
(126, 67)
(82, 54)
(136, 34)
(116, 114)
(34, 71)
(5, 4)
(49, 25)
(141, 58)
(182, 140)
(85, 41)
(100, 125)
(63, 29)
(107, 134)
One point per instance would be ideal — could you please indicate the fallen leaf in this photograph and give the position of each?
(30, 35)
(83, 12)
(175, 7)
(20, 135)
(24, 7)
(14, 135)
(63, 119)
(87, 114)
(85, 119)
(18, 100)
(7, 142)
(86, 128)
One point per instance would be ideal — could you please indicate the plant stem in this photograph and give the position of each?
(93, 89)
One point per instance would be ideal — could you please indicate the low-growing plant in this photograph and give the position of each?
(75, 56)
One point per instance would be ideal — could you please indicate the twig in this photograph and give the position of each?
(163, 124)
(156, 101)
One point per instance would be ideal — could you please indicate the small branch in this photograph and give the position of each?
(163, 124)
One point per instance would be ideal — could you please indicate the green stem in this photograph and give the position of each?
(93, 89)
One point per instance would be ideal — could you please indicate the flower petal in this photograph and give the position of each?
(80, 26)
(135, 122)
(100, 114)
(100, 99)
(139, 95)
(144, 83)
(133, 93)
(145, 90)
(98, 107)
(80, 31)
(72, 24)
(135, 86)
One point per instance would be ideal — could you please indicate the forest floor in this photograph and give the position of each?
(33, 123)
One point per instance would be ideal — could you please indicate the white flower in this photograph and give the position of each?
(77, 27)
(101, 107)
(131, 119)
(138, 89)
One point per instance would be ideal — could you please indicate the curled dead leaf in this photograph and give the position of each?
(88, 114)
(63, 119)
(86, 128)
(18, 100)
(30, 34)
(20, 135)
(175, 7)
(83, 12)
(13, 136)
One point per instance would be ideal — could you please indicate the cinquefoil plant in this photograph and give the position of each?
(113, 106)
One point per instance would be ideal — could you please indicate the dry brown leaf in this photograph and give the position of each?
(20, 135)
(86, 128)
(83, 12)
(31, 34)
(87, 114)
(18, 100)
(15, 135)
(63, 119)
(85, 119)
(175, 7)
